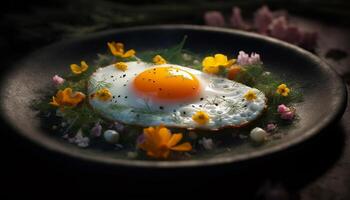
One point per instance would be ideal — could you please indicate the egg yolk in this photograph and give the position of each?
(166, 83)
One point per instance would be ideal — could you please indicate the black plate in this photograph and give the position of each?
(324, 92)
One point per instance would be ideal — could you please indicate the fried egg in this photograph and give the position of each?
(147, 95)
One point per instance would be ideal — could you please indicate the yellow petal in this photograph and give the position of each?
(84, 66)
(112, 48)
(175, 138)
(75, 69)
(211, 69)
(182, 147)
(165, 135)
(208, 62)
(54, 102)
(230, 63)
(129, 53)
(221, 59)
(119, 47)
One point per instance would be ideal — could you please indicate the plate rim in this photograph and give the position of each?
(44, 142)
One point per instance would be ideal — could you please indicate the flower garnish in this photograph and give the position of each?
(158, 142)
(250, 95)
(67, 98)
(201, 117)
(285, 112)
(234, 71)
(103, 94)
(57, 80)
(283, 90)
(212, 64)
(96, 130)
(245, 59)
(159, 60)
(117, 49)
(121, 66)
(76, 69)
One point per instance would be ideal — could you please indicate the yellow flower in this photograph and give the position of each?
(67, 98)
(201, 117)
(283, 90)
(250, 95)
(121, 66)
(212, 65)
(76, 69)
(117, 49)
(159, 60)
(159, 142)
(103, 94)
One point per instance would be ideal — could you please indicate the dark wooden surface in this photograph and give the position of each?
(320, 170)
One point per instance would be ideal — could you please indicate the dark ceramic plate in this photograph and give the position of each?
(324, 92)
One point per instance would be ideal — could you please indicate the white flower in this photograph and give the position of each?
(80, 140)
(207, 143)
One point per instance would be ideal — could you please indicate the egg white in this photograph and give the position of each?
(221, 98)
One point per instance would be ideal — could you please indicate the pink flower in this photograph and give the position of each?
(254, 58)
(214, 18)
(236, 19)
(57, 80)
(245, 59)
(287, 115)
(278, 28)
(262, 19)
(285, 112)
(271, 127)
(282, 109)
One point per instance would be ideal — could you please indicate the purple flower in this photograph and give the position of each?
(245, 59)
(214, 18)
(57, 80)
(271, 127)
(96, 130)
(282, 109)
(262, 19)
(236, 19)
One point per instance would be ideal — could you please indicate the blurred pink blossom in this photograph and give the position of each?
(262, 18)
(236, 19)
(214, 18)
(57, 80)
(266, 22)
(278, 28)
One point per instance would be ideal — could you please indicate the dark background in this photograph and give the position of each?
(318, 169)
